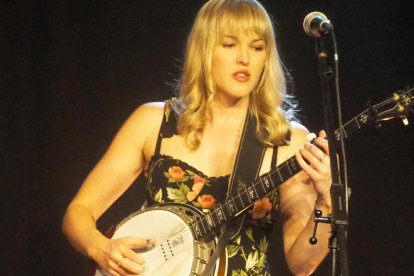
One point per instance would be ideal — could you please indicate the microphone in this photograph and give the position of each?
(316, 23)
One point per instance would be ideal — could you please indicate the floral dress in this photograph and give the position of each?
(172, 180)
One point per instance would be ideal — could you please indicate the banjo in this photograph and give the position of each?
(186, 236)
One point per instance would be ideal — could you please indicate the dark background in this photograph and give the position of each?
(72, 72)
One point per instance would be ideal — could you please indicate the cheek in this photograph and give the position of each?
(258, 68)
(218, 67)
(260, 64)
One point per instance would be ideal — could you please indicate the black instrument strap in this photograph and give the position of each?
(246, 169)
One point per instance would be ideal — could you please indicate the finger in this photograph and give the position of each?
(116, 268)
(113, 272)
(322, 134)
(117, 260)
(130, 267)
(133, 256)
(322, 143)
(139, 243)
(132, 262)
(128, 252)
(316, 152)
(304, 165)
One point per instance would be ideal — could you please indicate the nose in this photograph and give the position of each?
(243, 57)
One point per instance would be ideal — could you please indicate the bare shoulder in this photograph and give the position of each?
(298, 132)
(141, 126)
(147, 116)
(298, 136)
(150, 109)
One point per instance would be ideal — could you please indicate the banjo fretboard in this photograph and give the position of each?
(233, 206)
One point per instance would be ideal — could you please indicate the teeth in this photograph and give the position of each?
(242, 74)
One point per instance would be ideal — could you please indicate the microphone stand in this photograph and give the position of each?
(339, 216)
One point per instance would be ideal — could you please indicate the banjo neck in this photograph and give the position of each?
(234, 206)
(399, 105)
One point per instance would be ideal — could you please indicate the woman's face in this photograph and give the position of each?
(237, 64)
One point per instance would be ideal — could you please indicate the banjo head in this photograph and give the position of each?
(176, 252)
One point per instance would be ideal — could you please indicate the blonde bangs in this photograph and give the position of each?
(234, 17)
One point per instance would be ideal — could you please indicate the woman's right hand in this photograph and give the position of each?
(117, 257)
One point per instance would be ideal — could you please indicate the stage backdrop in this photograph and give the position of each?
(73, 71)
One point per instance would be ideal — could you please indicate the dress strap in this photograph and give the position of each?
(274, 157)
(168, 126)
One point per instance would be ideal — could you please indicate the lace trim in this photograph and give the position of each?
(155, 158)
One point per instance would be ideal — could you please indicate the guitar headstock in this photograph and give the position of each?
(399, 105)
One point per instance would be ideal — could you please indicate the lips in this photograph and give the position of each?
(242, 76)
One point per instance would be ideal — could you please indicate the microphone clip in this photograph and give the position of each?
(319, 218)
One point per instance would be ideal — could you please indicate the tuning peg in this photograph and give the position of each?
(396, 96)
(405, 121)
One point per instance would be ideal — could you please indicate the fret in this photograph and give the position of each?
(214, 216)
(226, 210)
(259, 188)
(232, 206)
(344, 132)
(203, 228)
(294, 165)
(265, 181)
(220, 213)
(287, 165)
(245, 198)
(357, 123)
(210, 221)
(285, 171)
(280, 176)
(271, 180)
(262, 185)
(239, 203)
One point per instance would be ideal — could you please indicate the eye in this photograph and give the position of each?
(228, 45)
(258, 48)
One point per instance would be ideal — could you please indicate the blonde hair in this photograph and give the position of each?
(216, 19)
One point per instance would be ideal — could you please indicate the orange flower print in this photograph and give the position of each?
(206, 201)
(198, 185)
(176, 173)
(198, 179)
(261, 208)
(191, 195)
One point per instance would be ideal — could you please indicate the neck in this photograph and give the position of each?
(229, 112)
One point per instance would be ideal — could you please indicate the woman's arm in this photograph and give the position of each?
(299, 196)
(124, 160)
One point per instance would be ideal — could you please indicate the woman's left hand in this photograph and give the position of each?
(314, 160)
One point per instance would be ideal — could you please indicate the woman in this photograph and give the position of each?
(231, 70)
